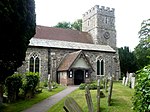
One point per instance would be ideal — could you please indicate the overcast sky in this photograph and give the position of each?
(129, 15)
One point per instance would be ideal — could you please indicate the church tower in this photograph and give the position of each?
(100, 23)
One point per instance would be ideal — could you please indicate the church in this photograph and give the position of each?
(72, 57)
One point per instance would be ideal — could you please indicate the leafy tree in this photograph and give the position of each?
(17, 27)
(77, 25)
(142, 50)
(128, 61)
(65, 25)
(141, 98)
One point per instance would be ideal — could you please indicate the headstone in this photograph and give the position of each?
(132, 82)
(70, 105)
(110, 91)
(123, 80)
(89, 99)
(126, 81)
(49, 83)
(130, 75)
(106, 83)
(98, 95)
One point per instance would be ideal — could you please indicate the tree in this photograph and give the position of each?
(128, 61)
(65, 25)
(141, 98)
(77, 25)
(17, 27)
(142, 50)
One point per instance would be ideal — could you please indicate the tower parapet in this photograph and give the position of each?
(100, 23)
(100, 10)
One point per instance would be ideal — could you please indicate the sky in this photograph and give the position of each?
(129, 15)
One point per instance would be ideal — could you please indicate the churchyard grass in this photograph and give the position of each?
(24, 104)
(121, 100)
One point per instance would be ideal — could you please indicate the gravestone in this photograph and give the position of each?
(126, 81)
(98, 95)
(110, 91)
(70, 105)
(123, 80)
(49, 83)
(89, 99)
(132, 82)
(105, 83)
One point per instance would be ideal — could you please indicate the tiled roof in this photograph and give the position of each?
(69, 45)
(68, 61)
(52, 33)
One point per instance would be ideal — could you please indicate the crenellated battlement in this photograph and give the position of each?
(100, 10)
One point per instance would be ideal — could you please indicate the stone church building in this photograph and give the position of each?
(72, 57)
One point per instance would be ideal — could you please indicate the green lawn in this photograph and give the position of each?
(24, 104)
(121, 100)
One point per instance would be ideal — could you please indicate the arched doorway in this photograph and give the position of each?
(78, 77)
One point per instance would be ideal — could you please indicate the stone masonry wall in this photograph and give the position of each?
(43, 56)
(57, 55)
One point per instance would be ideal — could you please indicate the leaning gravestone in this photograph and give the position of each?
(110, 91)
(70, 105)
(89, 99)
(105, 83)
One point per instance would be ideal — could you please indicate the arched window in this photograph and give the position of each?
(37, 64)
(100, 67)
(34, 64)
(31, 68)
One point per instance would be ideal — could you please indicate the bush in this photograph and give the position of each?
(92, 86)
(141, 99)
(30, 83)
(13, 84)
(43, 83)
(55, 85)
(82, 86)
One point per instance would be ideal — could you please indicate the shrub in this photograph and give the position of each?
(29, 84)
(55, 85)
(92, 86)
(43, 83)
(13, 84)
(141, 99)
(82, 86)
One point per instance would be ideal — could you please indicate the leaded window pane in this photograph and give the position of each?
(31, 68)
(102, 67)
(98, 67)
(37, 64)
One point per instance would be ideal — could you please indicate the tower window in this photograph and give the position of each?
(100, 67)
(106, 20)
(34, 63)
(88, 23)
